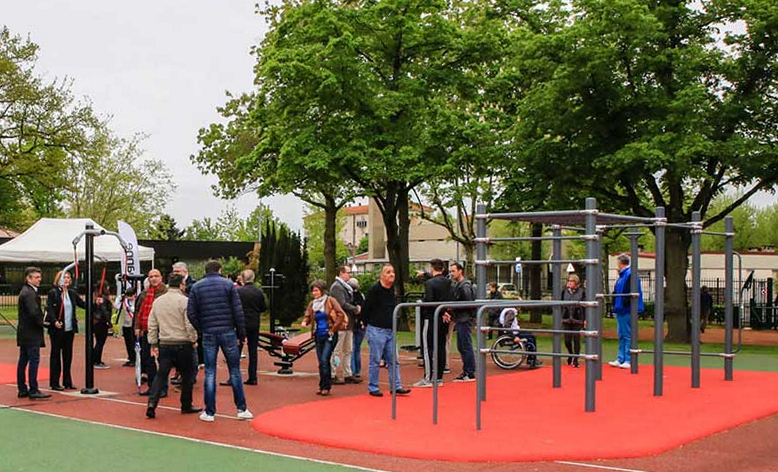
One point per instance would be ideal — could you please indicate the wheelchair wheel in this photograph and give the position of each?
(508, 360)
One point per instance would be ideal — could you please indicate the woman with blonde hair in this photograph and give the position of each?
(62, 323)
(573, 318)
(326, 318)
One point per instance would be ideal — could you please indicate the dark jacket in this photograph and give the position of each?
(29, 330)
(346, 300)
(54, 305)
(214, 306)
(463, 292)
(436, 289)
(379, 306)
(101, 313)
(573, 315)
(359, 320)
(253, 302)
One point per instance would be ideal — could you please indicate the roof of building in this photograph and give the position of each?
(355, 210)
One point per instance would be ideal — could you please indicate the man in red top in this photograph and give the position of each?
(143, 309)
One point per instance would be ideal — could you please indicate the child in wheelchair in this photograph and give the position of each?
(509, 319)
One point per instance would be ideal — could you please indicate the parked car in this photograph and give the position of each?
(508, 291)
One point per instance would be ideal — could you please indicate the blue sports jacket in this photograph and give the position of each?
(214, 306)
(621, 304)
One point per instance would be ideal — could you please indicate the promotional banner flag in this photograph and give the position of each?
(131, 263)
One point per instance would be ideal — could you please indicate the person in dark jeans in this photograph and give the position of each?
(325, 317)
(61, 318)
(706, 307)
(101, 320)
(436, 289)
(143, 309)
(573, 318)
(253, 301)
(359, 331)
(29, 336)
(173, 339)
(463, 292)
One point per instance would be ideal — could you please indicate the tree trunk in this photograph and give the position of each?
(330, 241)
(676, 265)
(397, 224)
(536, 314)
(469, 247)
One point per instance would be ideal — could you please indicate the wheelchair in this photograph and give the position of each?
(510, 356)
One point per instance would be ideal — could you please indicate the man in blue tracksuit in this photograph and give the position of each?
(621, 308)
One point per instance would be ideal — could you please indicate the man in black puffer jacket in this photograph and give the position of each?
(214, 308)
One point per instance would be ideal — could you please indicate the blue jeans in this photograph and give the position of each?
(381, 345)
(228, 342)
(28, 355)
(465, 346)
(356, 353)
(324, 347)
(624, 329)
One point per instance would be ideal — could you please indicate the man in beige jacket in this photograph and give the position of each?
(173, 340)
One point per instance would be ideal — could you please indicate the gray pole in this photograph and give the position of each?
(89, 379)
(633, 300)
(659, 305)
(480, 276)
(696, 239)
(556, 292)
(435, 354)
(729, 228)
(598, 286)
(591, 230)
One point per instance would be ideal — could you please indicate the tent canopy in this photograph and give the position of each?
(51, 240)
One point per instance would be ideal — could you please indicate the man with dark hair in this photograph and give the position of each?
(436, 289)
(621, 308)
(29, 336)
(173, 339)
(344, 294)
(253, 302)
(144, 303)
(463, 292)
(378, 311)
(214, 307)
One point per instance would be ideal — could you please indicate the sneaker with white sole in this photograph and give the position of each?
(245, 415)
(206, 417)
(423, 383)
(615, 363)
(625, 365)
(465, 378)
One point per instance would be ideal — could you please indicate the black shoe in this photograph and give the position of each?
(250, 382)
(337, 381)
(150, 413)
(376, 393)
(128, 364)
(22, 394)
(402, 391)
(569, 361)
(190, 410)
(352, 380)
(163, 395)
(144, 393)
(175, 380)
(57, 388)
(225, 383)
(71, 387)
(39, 396)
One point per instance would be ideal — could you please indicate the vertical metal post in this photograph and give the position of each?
(591, 273)
(556, 292)
(598, 286)
(659, 303)
(435, 354)
(272, 300)
(480, 275)
(481, 357)
(89, 378)
(634, 280)
(729, 275)
(696, 240)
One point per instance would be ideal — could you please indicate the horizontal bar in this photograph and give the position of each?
(715, 233)
(531, 238)
(684, 353)
(634, 235)
(615, 295)
(584, 333)
(529, 262)
(639, 219)
(535, 214)
(591, 357)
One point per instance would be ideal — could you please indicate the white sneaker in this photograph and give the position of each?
(206, 417)
(423, 383)
(615, 363)
(625, 365)
(245, 415)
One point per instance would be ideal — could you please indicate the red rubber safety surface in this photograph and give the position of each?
(525, 405)
(8, 374)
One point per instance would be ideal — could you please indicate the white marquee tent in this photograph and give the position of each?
(51, 240)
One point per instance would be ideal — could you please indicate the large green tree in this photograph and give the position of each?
(649, 103)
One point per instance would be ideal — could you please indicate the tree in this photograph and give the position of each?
(114, 182)
(643, 104)
(314, 224)
(42, 128)
(166, 229)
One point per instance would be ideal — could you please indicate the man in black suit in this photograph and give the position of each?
(29, 335)
(253, 301)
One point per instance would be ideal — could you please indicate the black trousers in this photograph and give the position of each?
(128, 334)
(572, 341)
(148, 363)
(427, 347)
(100, 331)
(61, 357)
(252, 339)
(180, 357)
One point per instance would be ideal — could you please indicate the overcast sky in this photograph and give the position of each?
(160, 68)
(156, 67)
